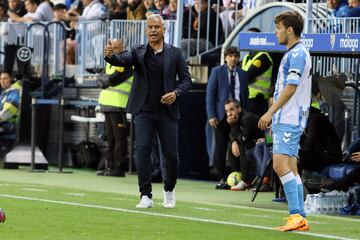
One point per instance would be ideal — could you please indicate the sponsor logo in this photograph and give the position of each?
(308, 43)
(332, 40)
(24, 54)
(260, 41)
(351, 43)
(286, 137)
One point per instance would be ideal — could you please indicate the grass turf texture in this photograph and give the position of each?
(110, 213)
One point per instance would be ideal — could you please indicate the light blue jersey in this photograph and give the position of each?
(295, 69)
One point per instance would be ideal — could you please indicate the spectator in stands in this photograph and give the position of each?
(61, 15)
(112, 102)
(227, 13)
(154, 102)
(3, 15)
(93, 10)
(150, 8)
(248, 6)
(224, 83)
(162, 8)
(337, 7)
(113, 10)
(258, 69)
(320, 145)
(122, 4)
(354, 3)
(173, 9)
(135, 10)
(37, 11)
(354, 9)
(9, 109)
(17, 7)
(209, 36)
(243, 136)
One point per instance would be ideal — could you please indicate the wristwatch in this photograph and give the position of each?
(176, 93)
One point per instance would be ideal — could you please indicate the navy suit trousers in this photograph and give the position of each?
(146, 126)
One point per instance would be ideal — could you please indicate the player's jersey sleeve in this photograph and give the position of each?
(297, 62)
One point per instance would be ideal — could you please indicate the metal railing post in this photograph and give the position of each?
(61, 135)
(179, 22)
(33, 132)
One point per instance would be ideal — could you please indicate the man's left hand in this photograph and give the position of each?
(264, 121)
(168, 98)
(356, 157)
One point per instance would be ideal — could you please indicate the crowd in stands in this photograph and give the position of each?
(199, 16)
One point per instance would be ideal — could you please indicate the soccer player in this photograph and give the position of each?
(289, 114)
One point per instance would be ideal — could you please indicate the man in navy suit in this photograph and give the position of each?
(154, 103)
(225, 82)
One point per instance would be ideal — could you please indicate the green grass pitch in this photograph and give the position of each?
(84, 206)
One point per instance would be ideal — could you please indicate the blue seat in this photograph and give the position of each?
(338, 171)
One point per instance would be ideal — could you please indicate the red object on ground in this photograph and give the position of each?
(2, 216)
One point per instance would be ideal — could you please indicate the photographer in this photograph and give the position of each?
(244, 134)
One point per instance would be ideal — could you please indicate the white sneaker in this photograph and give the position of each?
(241, 186)
(145, 202)
(169, 199)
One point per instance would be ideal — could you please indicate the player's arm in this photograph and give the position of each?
(296, 67)
(284, 97)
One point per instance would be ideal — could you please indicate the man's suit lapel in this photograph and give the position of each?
(224, 78)
(166, 60)
(141, 57)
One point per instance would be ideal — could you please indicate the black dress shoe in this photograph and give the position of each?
(222, 185)
(115, 173)
(100, 173)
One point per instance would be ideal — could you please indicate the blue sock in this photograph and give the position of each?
(291, 192)
(300, 189)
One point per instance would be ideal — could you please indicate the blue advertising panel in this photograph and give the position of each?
(316, 43)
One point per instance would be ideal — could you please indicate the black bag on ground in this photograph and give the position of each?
(86, 154)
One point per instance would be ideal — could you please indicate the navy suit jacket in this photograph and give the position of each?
(174, 65)
(217, 91)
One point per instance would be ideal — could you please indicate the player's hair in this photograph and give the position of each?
(291, 19)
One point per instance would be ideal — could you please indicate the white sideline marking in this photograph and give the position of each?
(338, 218)
(205, 209)
(118, 199)
(171, 216)
(34, 190)
(76, 194)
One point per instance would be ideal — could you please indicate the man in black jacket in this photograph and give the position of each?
(243, 136)
(320, 145)
(154, 102)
